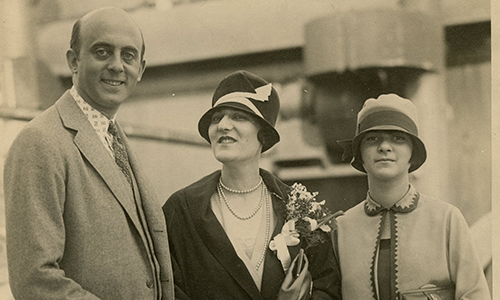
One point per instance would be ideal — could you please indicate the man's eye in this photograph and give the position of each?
(101, 52)
(129, 56)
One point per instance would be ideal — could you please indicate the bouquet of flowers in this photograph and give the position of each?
(304, 216)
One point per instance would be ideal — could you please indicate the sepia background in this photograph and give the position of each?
(325, 57)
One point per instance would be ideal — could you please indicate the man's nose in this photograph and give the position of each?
(116, 64)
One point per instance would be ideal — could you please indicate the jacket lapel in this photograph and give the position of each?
(153, 217)
(273, 271)
(215, 237)
(220, 246)
(147, 194)
(87, 141)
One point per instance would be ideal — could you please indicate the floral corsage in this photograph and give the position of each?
(304, 216)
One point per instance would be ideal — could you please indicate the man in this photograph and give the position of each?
(398, 242)
(82, 221)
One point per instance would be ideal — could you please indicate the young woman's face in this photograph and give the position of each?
(386, 154)
(233, 136)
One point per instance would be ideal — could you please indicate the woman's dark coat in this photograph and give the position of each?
(205, 263)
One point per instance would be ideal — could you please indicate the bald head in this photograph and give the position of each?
(106, 58)
(102, 17)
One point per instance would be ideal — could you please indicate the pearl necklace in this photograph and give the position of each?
(264, 195)
(268, 229)
(223, 197)
(240, 191)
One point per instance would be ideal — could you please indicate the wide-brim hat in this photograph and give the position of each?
(248, 92)
(387, 112)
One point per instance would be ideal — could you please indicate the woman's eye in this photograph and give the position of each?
(216, 119)
(240, 117)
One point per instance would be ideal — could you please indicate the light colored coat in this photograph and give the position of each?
(73, 231)
(433, 247)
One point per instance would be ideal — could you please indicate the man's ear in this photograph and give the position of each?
(143, 67)
(72, 60)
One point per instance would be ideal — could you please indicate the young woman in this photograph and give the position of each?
(397, 240)
(220, 227)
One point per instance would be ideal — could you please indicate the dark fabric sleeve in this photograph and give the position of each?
(325, 271)
(173, 231)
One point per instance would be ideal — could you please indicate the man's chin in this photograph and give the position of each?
(114, 99)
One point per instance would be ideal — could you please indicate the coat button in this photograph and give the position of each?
(150, 284)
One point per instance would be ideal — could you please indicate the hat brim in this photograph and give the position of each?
(419, 153)
(272, 136)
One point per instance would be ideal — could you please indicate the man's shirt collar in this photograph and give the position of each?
(98, 120)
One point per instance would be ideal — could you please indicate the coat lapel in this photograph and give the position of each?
(146, 192)
(220, 246)
(273, 271)
(154, 218)
(215, 237)
(92, 149)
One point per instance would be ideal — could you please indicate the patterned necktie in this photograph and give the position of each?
(120, 152)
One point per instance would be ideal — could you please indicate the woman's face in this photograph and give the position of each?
(233, 136)
(386, 154)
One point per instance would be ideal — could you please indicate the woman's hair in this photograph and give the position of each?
(264, 137)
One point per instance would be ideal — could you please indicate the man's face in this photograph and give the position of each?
(109, 64)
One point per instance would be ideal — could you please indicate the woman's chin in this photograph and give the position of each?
(224, 157)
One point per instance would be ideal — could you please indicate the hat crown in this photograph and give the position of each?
(247, 85)
(240, 81)
(388, 111)
(245, 91)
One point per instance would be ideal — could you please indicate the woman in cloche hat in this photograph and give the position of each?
(220, 227)
(398, 242)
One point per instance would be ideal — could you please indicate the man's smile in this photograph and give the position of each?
(112, 82)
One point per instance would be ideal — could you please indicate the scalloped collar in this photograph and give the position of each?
(407, 204)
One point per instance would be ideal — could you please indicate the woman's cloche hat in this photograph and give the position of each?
(248, 92)
(387, 112)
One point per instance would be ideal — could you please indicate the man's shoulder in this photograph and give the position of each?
(41, 127)
(46, 128)
(48, 120)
